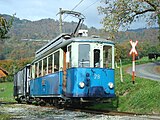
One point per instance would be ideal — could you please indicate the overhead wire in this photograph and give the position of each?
(74, 7)
(78, 4)
(90, 5)
(84, 8)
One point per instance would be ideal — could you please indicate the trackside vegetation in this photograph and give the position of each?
(6, 92)
(141, 97)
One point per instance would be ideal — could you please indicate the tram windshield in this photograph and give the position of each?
(83, 57)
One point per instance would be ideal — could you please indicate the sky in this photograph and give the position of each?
(41, 9)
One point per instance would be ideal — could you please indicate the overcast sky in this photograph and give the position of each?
(41, 9)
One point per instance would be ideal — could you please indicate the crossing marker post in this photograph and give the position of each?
(134, 53)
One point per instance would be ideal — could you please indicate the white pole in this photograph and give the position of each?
(133, 68)
(121, 74)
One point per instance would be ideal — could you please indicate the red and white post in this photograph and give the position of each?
(134, 53)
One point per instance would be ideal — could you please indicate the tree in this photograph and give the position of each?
(121, 13)
(5, 26)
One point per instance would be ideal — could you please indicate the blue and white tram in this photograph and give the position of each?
(73, 68)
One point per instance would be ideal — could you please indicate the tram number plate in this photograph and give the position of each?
(97, 76)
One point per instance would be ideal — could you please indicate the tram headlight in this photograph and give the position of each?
(110, 85)
(81, 85)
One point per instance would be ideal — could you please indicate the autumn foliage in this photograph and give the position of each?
(12, 66)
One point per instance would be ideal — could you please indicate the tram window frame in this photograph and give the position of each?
(107, 56)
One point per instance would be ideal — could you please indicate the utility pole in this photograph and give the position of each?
(60, 20)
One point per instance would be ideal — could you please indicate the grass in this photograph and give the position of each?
(4, 116)
(6, 92)
(141, 97)
(6, 95)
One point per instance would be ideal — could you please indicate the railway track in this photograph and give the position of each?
(92, 112)
(129, 115)
(1, 102)
(97, 111)
(88, 110)
(104, 112)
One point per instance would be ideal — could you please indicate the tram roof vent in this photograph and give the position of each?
(83, 33)
(66, 36)
(95, 36)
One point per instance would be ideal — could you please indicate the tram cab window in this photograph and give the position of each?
(96, 58)
(56, 61)
(83, 56)
(45, 66)
(107, 56)
(50, 58)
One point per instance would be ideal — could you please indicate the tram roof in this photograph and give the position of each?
(65, 39)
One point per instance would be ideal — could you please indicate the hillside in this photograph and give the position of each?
(28, 36)
(143, 35)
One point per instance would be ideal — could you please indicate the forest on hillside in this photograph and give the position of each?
(25, 37)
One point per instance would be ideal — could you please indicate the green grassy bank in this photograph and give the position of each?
(6, 95)
(6, 92)
(141, 97)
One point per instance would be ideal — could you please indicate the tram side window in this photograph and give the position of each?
(107, 56)
(83, 57)
(50, 59)
(45, 66)
(33, 73)
(36, 70)
(56, 61)
(40, 68)
(30, 72)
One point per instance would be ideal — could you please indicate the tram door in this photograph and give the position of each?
(97, 56)
(97, 63)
